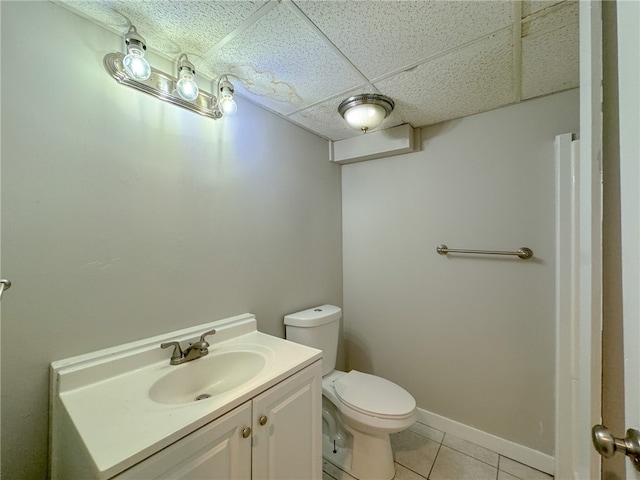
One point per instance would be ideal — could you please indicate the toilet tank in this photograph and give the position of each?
(317, 327)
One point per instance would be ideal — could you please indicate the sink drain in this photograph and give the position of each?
(202, 397)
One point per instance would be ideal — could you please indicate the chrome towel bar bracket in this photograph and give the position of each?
(522, 252)
(4, 285)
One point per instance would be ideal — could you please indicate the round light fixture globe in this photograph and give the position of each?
(366, 111)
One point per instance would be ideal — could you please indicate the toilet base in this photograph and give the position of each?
(372, 458)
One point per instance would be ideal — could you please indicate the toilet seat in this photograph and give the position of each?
(372, 395)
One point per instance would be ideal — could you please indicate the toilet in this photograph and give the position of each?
(359, 410)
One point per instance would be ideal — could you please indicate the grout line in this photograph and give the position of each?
(471, 456)
(435, 459)
(412, 470)
(343, 471)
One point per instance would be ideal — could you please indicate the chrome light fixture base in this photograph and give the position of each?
(161, 85)
(362, 100)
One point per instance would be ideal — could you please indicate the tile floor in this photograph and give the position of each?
(423, 452)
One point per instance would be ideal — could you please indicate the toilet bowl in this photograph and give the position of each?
(359, 410)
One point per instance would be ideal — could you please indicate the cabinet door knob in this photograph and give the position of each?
(246, 432)
(263, 420)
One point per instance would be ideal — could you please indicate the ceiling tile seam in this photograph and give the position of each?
(336, 96)
(443, 53)
(403, 69)
(546, 11)
(244, 25)
(300, 14)
(551, 30)
(517, 51)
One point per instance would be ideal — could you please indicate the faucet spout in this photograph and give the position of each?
(193, 352)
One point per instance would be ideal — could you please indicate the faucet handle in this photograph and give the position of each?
(206, 334)
(177, 350)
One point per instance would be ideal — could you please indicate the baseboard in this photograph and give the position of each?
(519, 453)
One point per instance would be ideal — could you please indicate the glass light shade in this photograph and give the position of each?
(136, 65)
(186, 87)
(364, 117)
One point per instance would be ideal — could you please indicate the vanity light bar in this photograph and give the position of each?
(163, 86)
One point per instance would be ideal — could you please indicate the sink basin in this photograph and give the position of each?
(214, 374)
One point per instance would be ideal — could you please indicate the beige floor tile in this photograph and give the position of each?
(427, 431)
(520, 470)
(414, 451)
(453, 465)
(334, 472)
(403, 473)
(471, 449)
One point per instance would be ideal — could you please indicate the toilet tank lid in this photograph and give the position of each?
(314, 317)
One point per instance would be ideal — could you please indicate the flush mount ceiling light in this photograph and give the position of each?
(133, 70)
(366, 111)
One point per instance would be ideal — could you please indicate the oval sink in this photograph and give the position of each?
(206, 377)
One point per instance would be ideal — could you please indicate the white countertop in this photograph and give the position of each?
(106, 397)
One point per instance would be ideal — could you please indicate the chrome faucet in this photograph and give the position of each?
(192, 352)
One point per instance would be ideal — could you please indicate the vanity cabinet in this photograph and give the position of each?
(277, 435)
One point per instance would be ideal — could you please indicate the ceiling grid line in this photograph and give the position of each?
(440, 54)
(393, 73)
(300, 14)
(240, 29)
(550, 10)
(437, 59)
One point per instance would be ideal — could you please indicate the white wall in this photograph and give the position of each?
(124, 217)
(471, 337)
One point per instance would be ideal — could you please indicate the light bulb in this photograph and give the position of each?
(228, 106)
(225, 90)
(186, 87)
(136, 65)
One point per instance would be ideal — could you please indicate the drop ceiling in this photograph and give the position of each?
(438, 60)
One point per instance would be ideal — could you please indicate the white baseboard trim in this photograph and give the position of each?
(520, 453)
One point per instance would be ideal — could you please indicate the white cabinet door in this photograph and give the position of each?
(217, 451)
(287, 428)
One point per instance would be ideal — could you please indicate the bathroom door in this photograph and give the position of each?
(629, 78)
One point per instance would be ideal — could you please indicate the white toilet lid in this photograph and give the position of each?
(374, 395)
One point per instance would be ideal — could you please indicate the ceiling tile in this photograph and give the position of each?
(325, 120)
(550, 53)
(282, 64)
(467, 81)
(438, 60)
(172, 27)
(383, 36)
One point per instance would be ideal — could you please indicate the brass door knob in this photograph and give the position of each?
(263, 420)
(246, 432)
